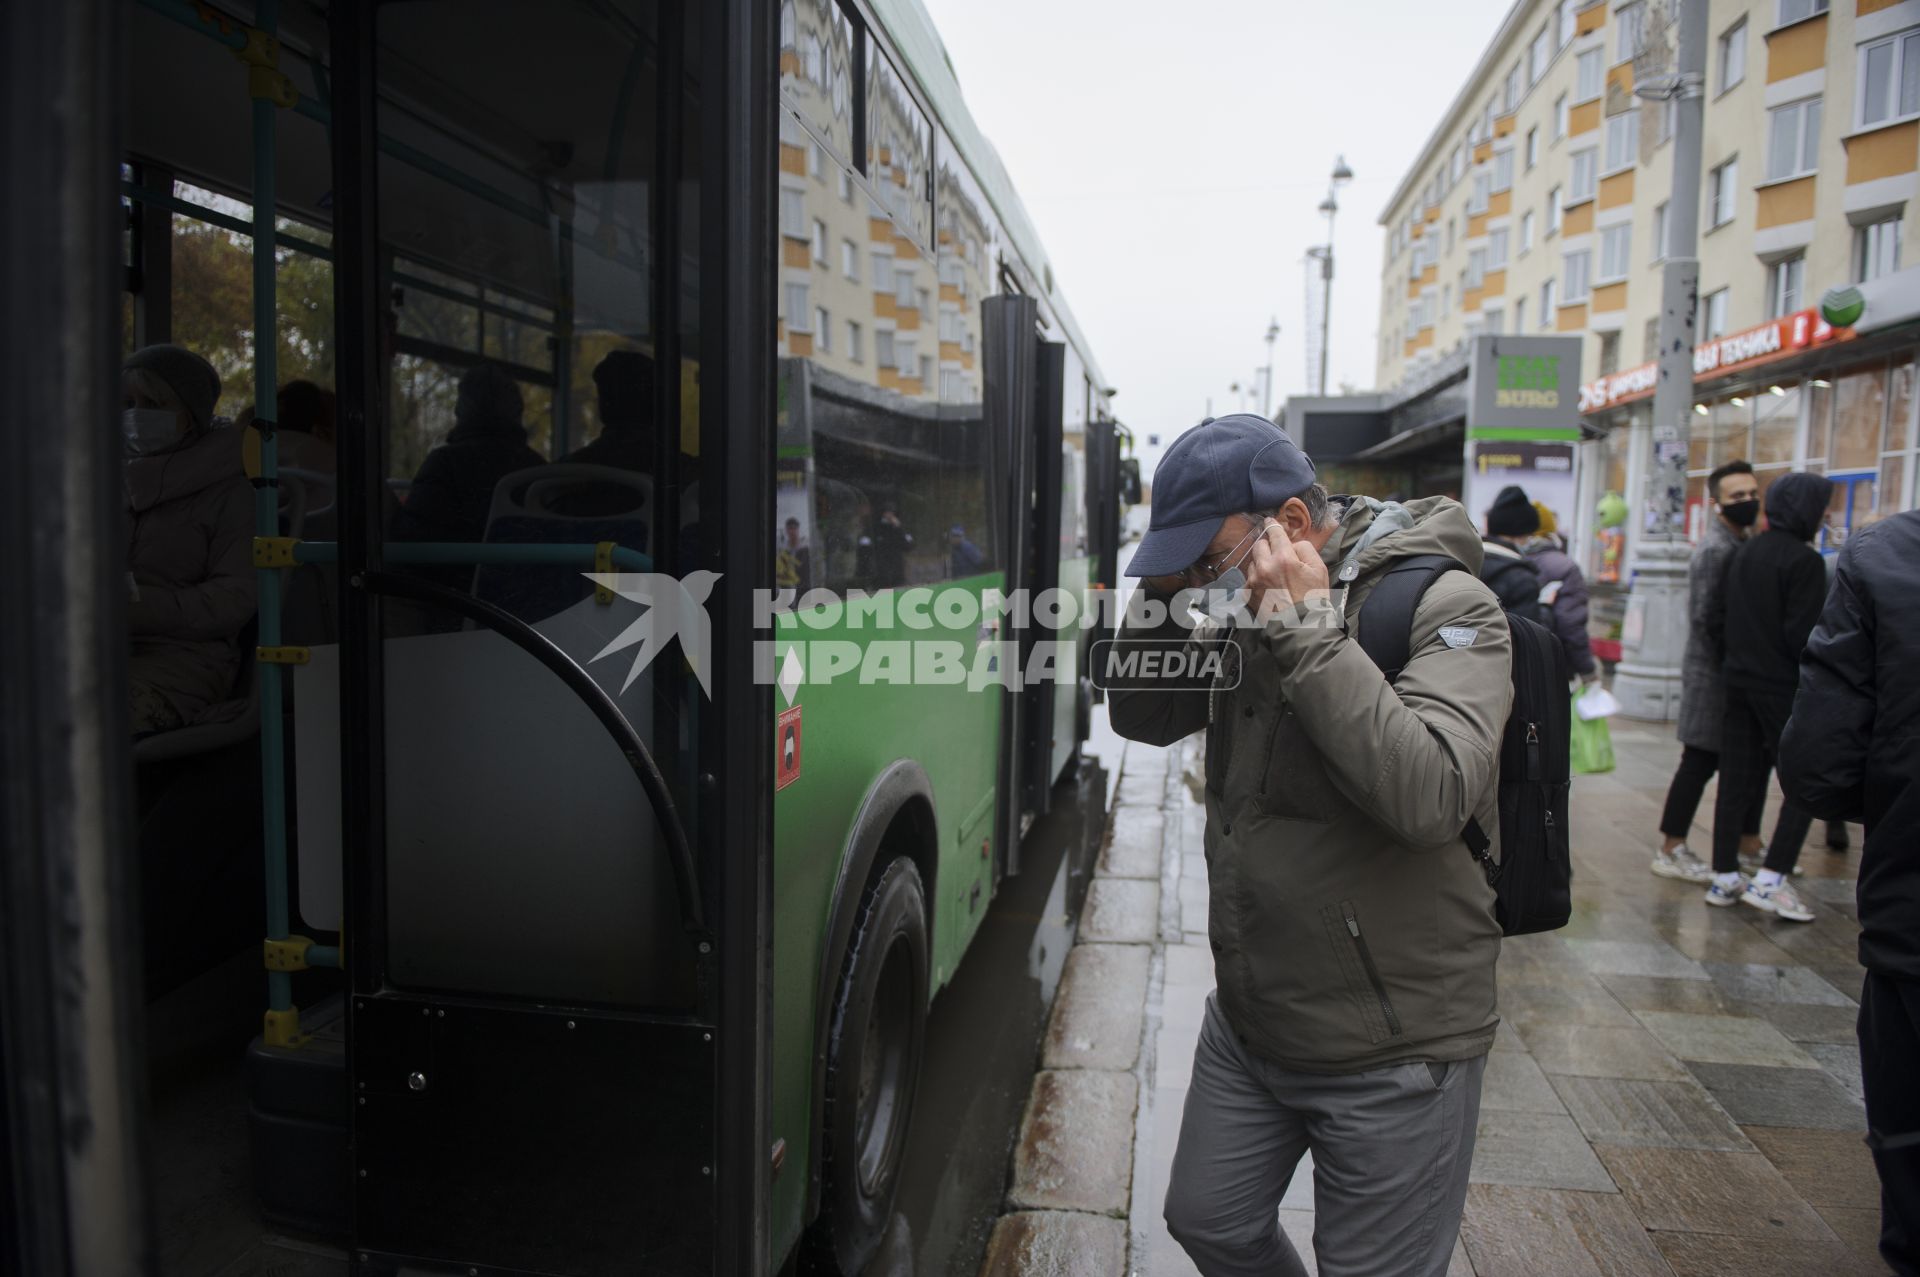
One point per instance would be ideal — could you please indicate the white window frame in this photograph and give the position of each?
(1482, 192)
(850, 260)
(1519, 314)
(1526, 231)
(1791, 11)
(1730, 56)
(1533, 147)
(819, 242)
(906, 354)
(793, 213)
(1589, 74)
(1583, 181)
(1876, 244)
(882, 272)
(853, 341)
(1561, 117)
(823, 329)
(1786, 285)
(1623, 136)
(1476, 274)
(1548, 310)
(1805, 157)
(1905, 52)
(1616, 253)
(1499, 248)
(1539, 55)
(883, 348)
(1713, 315)
(799, 307)
(1495, 320)
(1630, 19)
(1502, 171)
(1556, 210)
(1577, 270)
(904, 293)
(1723, 189)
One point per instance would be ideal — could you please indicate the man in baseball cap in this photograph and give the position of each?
(1353, 933)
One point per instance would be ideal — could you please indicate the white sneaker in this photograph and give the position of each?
(1681, 863)
(1780, 900)
(1721, 897)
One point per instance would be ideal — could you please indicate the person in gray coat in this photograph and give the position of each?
(190, 575)
(1736, 497)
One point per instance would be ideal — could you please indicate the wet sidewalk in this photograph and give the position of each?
(1674, 1090)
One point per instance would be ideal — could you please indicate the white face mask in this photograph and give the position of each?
(149, 429)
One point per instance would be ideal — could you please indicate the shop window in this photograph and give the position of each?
(1900, 387)
(1859, 407)
(1776, 419)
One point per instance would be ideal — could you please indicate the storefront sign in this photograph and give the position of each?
(1752, 348)
(1523, 388)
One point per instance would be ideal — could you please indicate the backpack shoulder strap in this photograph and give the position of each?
(1386, 618)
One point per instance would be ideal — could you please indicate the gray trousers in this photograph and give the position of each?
(1391, 1150)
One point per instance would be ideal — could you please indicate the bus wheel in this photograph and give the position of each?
(873, 1066)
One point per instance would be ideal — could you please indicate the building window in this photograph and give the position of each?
(846, 186)
(1668, 121)
(883, 272)
(1713, 315)
(1586, 175)
(1786, 283)
(883, 347)
(1497, 248)
(853, 341)
(1533, 147)
(906, 356)
(1475, 276)
(1795, 10)
(1446, 300)
(1513, 90)
(1526, 231)
(1587, 74)
(850, 260)
(799, 308)
(1579, 273)
(903, 290)
(1503, 171)
(1495, 319)
(1567, 22)
(1631, 19)
(1449, 234)
(1538, 55)
(1609, 354)
(1553, 211)
(1520, 314)
(1793, 139)
(823, 328)
(819, 242)
(1876, 249)
(815, 160)
(793, 214)
(1889, 79)
(1733, 55)
(1482, 190)
(1623, 138)
(1723, 193)
(1559, 117)
(1546, 306)
(926, 370)
(1650, 345)
(1616, 252)
(1660, 231)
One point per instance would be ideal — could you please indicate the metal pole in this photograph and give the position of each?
(1326, 296)
(1266, 395)
(1648, 681)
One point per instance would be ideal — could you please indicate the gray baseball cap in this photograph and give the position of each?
(1223, 466)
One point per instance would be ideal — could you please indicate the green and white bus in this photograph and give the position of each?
(602, 903)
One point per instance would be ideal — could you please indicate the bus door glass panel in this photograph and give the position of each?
(530, 239)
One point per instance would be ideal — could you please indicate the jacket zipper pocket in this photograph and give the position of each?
(1373, 972)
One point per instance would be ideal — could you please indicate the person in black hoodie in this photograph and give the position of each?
(1847, 754)
(1508, 572)
(1775, 585)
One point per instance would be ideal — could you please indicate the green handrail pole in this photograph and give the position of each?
(264, 81)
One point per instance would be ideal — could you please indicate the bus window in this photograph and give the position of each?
(899, 148)
(817, 73)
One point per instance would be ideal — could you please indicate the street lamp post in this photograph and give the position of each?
(1266, 395)
(1330, 206)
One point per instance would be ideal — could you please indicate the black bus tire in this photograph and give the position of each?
(874, 1046)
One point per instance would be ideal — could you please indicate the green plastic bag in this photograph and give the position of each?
(1592, 745)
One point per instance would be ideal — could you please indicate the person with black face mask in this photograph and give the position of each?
(1776, 585)
(1736, 496)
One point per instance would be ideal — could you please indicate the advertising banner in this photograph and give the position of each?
(1544, 469)
(1523, 388)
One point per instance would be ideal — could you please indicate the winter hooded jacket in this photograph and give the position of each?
(1848, 752)
(1563, 588)
(190, 552)
(1774, 589)
(1351, 928)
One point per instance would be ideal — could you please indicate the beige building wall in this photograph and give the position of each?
(1763, 55)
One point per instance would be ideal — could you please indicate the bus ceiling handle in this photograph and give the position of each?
(549, 654)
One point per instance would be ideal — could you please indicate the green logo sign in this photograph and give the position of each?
(1528, 381)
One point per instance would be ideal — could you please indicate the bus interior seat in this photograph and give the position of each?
(533, 506)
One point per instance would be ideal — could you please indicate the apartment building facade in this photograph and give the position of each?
(1539, 206)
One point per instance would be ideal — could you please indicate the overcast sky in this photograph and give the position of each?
(1173, 158)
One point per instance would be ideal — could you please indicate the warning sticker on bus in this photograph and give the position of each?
(786, 748)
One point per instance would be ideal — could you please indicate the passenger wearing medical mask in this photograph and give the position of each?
(190, 575)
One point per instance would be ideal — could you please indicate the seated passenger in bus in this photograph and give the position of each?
(624, 383)
(306, 426)
(453, 489)
(190, 575)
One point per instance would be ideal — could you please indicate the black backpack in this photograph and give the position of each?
(1516, 583)
(1533, 880)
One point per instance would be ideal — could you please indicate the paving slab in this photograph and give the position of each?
(1075, 1150)
(1807, 1023)
(1828, 1168)
(1515, 1084)
(1535, 1150)
(1529, 1232)
(1136, 836)
(1842, 1060)
(1636, 957)
(1120, 910)
(1142, 788)
(1056, 1244)
(1703, 1255)
(1649, 1114)
(1758, 982)
(1098, 1011)
(1663, 993)
(1754, 1095)
(1694, 1190)
(1582, 1001)
(1592, 1050)
(1860, 1230)
(1189, 966)
(1724, 1039)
